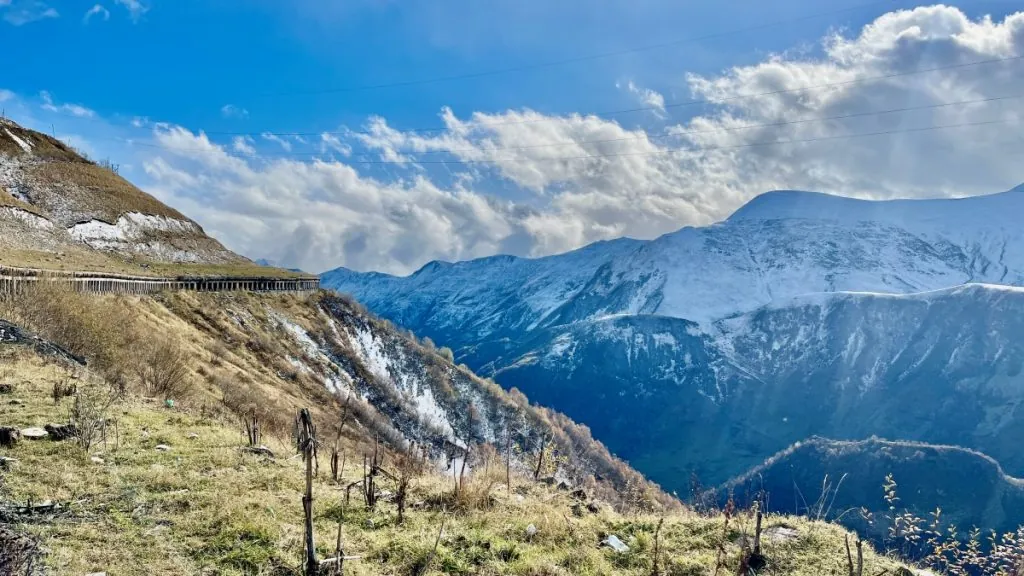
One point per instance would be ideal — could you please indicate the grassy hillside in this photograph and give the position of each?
(85, 216)
(205, 507)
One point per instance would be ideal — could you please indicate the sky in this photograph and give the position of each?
(381, 135)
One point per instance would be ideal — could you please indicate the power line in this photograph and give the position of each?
(577, 59)
(653, 153)
(670, 105)
(674, 134)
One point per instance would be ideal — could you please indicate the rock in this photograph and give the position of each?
(193, 436)
(613, 542)
(593, 507)
(901, 571)
(17, 402)
(9, 436)
(549, 480)
(60, 432)
(520, 498)
(97, 574)
(563, 485)
(577, 510)
(34, 433)
(7, 463)
(6, 388)
(145, 434)
(531, 531)
(579, 494)
(96, 459)
(781, 533)
(386, 496)
(258, 450)
(163, 447)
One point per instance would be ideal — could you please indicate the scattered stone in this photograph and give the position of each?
(193, 436)
(781, 533)
(61, 431)
(613, 542)
(9, 436)
(7, 463)
(369, 523)
(563, 485)
(901, 571)
(163, 447)
(258, 450)
(97, 574)
(577, 510)
(6, 388)
(34, 433)
(520, 498)
(96, 459)
(531, 531)
(593, 507)
(145, 434)
(386, 495)
(549, 480)
(17, 402)
(579, 494)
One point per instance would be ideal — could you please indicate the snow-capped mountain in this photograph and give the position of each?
(709, 349)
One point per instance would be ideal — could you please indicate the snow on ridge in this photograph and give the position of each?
(824, 298)
(26, 217)
(26, 146)
(128, 227)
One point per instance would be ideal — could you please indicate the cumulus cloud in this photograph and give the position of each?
(99, 11)
(270, 137)
(243, 145)
(72, 109)
(21, 12)
(649, 98)
(135, 8)
(232, 111)
(806, 123)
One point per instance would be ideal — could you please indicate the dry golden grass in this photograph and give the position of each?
(10, 201)
(43, 145)
(205, 507)
(100, 190)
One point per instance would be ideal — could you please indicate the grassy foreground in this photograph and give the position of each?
(203, 507)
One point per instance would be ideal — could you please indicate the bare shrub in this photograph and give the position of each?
(91, 326)
(162, 369)
(88, 414)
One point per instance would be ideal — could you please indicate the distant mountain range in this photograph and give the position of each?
(709, 349)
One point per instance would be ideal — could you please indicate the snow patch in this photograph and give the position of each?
(25, 217)
(26, 146)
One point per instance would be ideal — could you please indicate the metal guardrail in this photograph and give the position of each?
(14, 280)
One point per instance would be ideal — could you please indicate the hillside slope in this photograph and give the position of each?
(201, 506)
(58, 209)
(707, 350)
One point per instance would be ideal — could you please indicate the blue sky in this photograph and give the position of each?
(149, 83)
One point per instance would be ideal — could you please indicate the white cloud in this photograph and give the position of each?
(135, 8)
(645, 96)
(275, 138)
(72, 109)
(580, 178)
(97, 10)
(232, 111)
(21, 12)
(5, 95)
(243, 145)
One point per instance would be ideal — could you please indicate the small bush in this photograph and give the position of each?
(163, 370)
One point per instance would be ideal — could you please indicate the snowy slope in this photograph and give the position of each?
(709, 349)
(780, 245)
